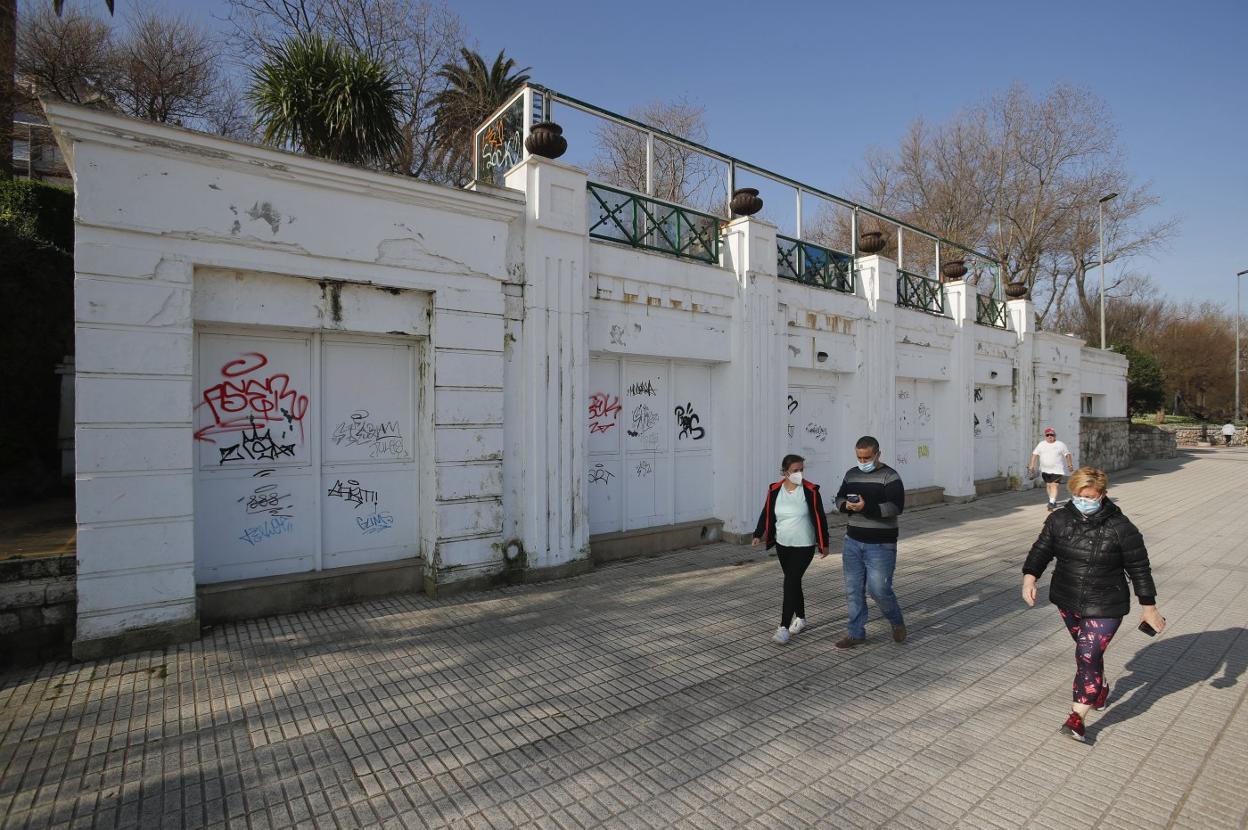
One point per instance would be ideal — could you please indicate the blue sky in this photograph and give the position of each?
(805, 89)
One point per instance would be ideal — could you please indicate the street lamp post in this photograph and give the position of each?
(1235, 417)
(1100, 221)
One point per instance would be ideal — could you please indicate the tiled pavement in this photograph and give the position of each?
(649, 695)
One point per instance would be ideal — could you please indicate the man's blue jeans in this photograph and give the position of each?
(868, 569)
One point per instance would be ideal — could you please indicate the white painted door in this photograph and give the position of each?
(814, 431)
(914, 456)
(368, 459)
(987, 409)
(304, 453)
(649, 443)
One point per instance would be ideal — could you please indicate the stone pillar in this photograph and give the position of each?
(545, 462)
(877, 284)
(1023, 391)
(748, 458)
(956, 461)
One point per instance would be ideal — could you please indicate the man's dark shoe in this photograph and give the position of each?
(1073, 727)
(849, 642)
(899, 634)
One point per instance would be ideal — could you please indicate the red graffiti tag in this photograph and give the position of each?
(604, 411)
(240, 402)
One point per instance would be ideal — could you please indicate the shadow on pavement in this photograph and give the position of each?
(1171, 665)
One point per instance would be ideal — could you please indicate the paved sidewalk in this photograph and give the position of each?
(649, 695)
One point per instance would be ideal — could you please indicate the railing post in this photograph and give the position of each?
(649, 164)
(528, 122)
(798, 214)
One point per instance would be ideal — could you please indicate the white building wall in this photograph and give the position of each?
(530, 348)
(161, 213)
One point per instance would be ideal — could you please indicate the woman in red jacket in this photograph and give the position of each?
(794, 522)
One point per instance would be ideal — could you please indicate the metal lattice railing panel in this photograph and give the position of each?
(812, 264)
(919, 292)
(990, 311)
(647, 223)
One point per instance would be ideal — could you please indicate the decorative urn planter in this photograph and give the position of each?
(1015, 290)
(953, 270)
(546, 140)
(745, 201)
(871, 242)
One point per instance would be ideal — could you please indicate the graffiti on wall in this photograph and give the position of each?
(255, 445)
(599, 474)
(688, 420)
(384, 439)
(257, 411)
(644, 420)
(604, 411)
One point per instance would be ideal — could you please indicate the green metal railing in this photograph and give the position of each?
(989, 311)
(919, 292)
(648, 223)
(815, 265)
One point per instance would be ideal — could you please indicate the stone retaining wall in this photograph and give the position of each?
(1152, 442)
(1104, 443)
(38, 605)
(1192, 436)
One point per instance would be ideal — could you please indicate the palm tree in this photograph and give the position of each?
(473, 91)
(320, 96)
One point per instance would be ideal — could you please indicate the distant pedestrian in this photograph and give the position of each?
(873, 496)
(1228, 432)
(1097, 549)
(1055, 460)
(794, 523)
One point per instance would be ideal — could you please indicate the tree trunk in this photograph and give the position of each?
(8, 60)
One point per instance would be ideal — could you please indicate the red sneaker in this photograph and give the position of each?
(1102, 698)
(1073, 727)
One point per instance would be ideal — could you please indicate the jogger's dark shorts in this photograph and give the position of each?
(1051, 478)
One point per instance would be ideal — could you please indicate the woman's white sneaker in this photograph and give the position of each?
(797, 625)
(781, 636)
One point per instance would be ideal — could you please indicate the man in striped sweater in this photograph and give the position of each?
(873, 496)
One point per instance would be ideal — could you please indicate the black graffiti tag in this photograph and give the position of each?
(644, 419)
(688, 422)
(353, 493)
(644, 387)
(256, 446)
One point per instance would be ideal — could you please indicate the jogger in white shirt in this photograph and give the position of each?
(1054, 459)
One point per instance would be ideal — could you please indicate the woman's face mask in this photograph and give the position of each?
(795, 477)
(1086, 506)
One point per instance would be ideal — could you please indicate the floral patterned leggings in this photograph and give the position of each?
(1091, 636)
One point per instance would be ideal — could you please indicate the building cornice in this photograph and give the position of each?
(74, 124)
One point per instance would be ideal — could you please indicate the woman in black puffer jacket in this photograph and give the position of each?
(1097, 549)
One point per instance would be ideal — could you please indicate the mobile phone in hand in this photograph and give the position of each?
(1148, 629)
